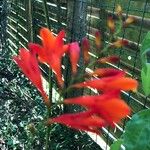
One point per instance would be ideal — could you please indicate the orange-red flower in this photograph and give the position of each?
(27, 61)
(74, 51)
(98, 39)
(85, 49)
(110, 83)
(110, 59)
(111, 109)
(85, 121)
(52, 51)
(107, 72)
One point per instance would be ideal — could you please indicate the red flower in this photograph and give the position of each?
(106, 106)
(27, 61)
(81, 121)
(110, 59)
(52, 51)
(110, 83)
(107, 72)
(85, 49)
(74, 51)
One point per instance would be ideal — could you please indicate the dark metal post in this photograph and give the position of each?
(77, 27)
(3, 24)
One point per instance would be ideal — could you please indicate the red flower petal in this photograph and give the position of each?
(110, 83)
(113, 110)
(80, 121)
(91, 101)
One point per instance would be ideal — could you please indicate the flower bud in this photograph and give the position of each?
(110, 59)
(98, 39)
(119, 43)
(111, 24)
(119, 10)
(31, 128)
(85, 49)
(128, 21)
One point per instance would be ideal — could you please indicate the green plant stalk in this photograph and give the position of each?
(47, 131)
(119, 27)
(49, 80)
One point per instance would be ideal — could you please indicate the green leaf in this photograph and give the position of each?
(144, 57)
(116, 145)
(145, 43)
(145, 72)
(145, 76)
(137, 132)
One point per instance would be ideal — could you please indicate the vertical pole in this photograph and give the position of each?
(77, 13)
(77, 27)
(3, 25)
(29, 18)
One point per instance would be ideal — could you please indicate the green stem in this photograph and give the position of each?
(50, 76)
(119, 27)
(47, 131)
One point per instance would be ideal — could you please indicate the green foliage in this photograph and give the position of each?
(63, 138)
(145, 76)
(145, 72)
(116, 145)
(137, 132)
